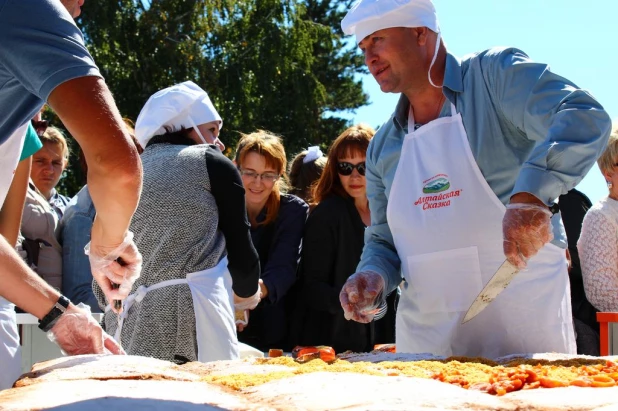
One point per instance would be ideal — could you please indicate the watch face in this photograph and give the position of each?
(64, 302)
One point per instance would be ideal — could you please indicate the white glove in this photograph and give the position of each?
(361, 296)
(77, 332)
(120, 266)
(248, 303)
(526, 228)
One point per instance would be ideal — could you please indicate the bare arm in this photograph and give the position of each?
(13, 207)
(87, 109)
(22, 286)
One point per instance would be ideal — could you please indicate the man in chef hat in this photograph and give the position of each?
(181, 106)
(461, 176)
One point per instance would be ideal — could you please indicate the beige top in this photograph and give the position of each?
(39, 223)
(598, 255)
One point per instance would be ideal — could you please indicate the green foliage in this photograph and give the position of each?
(279, 65)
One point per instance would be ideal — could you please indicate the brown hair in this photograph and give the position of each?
(270, 146)
(353, 140)
(304, 175)
(53, 135)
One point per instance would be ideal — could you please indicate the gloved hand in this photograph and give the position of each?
(526, 228)
(76, 332)
(248, 303)
(361, 296)
(106, 270)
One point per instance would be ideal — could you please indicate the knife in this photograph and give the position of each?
(500, 280)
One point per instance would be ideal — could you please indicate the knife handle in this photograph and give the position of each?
(118, 303)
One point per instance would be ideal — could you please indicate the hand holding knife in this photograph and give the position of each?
(526, 229)
(116, 271)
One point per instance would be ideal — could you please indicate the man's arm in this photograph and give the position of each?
(13, 207)
(379, 253)
(22, 286)
(88, 111)
(570, 128)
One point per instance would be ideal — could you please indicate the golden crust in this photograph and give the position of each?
(469, 373)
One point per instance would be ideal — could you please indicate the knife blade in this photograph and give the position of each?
(500, 280)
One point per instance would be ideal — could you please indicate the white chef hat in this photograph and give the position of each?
(368, 16)
(181, 105)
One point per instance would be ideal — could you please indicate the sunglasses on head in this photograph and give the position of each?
(40, 126)
(345, 169)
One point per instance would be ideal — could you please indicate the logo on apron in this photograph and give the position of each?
(436, 187)
(436, 184)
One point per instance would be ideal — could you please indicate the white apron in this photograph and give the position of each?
(10, 353)
(213, 300)
(447, 228)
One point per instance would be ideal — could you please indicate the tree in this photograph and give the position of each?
(279, 65)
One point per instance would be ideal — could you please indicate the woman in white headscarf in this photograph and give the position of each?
(191, 226)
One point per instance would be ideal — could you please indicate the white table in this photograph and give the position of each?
(35, 346)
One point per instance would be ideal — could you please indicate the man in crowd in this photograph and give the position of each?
(43, 59)
(462, 176)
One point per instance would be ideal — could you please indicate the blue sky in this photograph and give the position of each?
(578, 39)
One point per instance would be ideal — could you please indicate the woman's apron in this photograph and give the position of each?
(10, 354)
(447, 228)
(213, 304)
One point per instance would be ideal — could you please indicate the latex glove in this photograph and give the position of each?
(241, 325)
(107, 270)
(77, 332)
(526, 228)
(361, 296)
(248, 303)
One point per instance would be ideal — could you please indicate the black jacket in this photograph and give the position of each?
(278, 245)
(332, 247)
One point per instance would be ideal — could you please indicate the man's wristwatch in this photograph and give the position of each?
(47, 322)
(554, 208)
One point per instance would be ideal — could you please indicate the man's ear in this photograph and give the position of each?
(421, 35)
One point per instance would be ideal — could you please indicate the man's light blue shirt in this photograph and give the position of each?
(530, 130)
(73, 233)
(41, 48)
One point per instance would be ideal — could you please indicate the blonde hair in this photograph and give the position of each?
(54, 136)
(270, 146)
(609, 156)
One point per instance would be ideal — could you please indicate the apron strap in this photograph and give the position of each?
(138, 296)
(411, 117)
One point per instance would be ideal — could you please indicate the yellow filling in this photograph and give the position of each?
(464, 374)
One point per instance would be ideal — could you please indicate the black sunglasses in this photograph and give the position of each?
(40, 126)
(345, 169)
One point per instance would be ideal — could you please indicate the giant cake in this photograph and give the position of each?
(374, 381)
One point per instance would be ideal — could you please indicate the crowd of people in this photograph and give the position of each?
(388, 238)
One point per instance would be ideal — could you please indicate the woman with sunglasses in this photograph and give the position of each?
(277, 221)
(332, 246)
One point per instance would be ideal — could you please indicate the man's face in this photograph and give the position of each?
(395, 58)
(74, 7)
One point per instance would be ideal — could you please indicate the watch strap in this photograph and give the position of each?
(47, 322)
